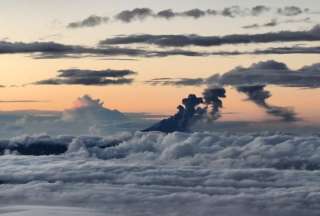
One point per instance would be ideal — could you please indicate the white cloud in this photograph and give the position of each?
(170, 174)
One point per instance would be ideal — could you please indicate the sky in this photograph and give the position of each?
(40, 21)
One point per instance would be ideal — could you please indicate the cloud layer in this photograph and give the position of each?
(271, 73)
(140, 14)
(90, 77)
(205, 41)
(164, 174)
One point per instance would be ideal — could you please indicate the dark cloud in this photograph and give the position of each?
(194, 13)
(135, 14)
(196, 40)
(91, 21)
(168, 14)
(271, 73)
(89, 77)
(259, 9)
(275, 22)
(287, 50)
(259, 95)
(48, 50)
(52, 50)
(176, 81)
(128, 16)
(290, 11)
(233, 11)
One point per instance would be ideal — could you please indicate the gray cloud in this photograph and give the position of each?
(259, 9)
(291, 11)
(128, 16)
(168, 14)
(176, 81)
(271, 73)
(194, 13)
(135, 14)
(52, 50)
(258, 74)
(90, 21)
(197, 40)
(275, 22)
(89, 77)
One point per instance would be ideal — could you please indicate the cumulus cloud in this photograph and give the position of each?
(86, 116)
(90, 77)
(90, 21)
(87, 109)
(271, 73)
(189, 174)
(197, 40)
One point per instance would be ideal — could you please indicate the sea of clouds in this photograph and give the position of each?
(154, 173)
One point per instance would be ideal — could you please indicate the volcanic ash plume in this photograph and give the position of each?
(259, 95)
(191, 111)
(212, 98)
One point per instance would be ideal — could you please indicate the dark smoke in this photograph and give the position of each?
(212, 98)
(259, 95)
(191, 110)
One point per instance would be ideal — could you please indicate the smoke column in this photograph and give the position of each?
(259, 95)
(191, 110)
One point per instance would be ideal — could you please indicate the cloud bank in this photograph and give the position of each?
(90, 77)
(164, 174)
(271, 73)
(140, 14)
(205, 41)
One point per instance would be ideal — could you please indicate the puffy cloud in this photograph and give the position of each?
(197, 40)
(271, 73)
(259, 9)
(189, 174)
(87, 109)
(86, 116)
(135, 14)
(290, 11)
(194, 13)
(168, 14)
(91, 21)
(89, 77)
